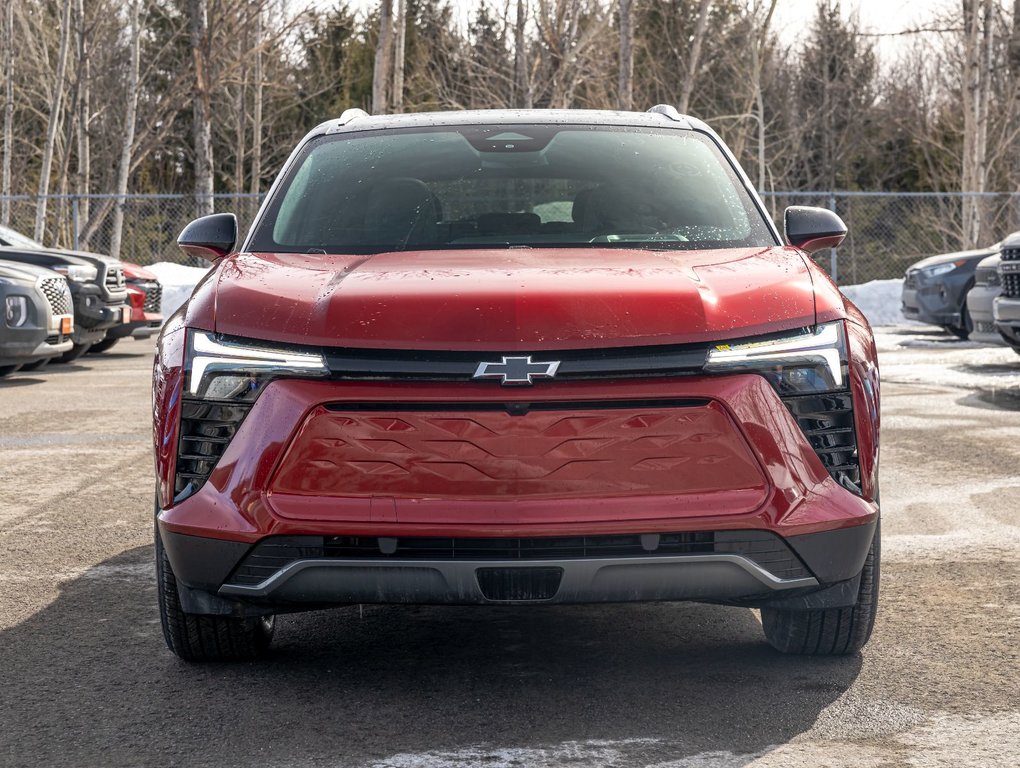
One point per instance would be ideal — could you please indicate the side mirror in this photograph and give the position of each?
(210, 237)
(813, 229)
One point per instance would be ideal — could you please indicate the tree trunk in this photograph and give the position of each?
(977, 16)
(522, 88)
(398, 63)
(198, 12)
(625, 87)
(7, 35)
(83, 177)
(256, 120)
(243, 49)
(124, 168)
(53, 122)
(694, 59)
(382, 72)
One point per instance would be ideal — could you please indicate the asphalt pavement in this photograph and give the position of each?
(85, 679)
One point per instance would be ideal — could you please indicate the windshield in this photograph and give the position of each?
(510, 186)
(9, 237)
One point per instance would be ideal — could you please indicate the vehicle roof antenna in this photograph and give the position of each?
(666, 109)
(352, 114)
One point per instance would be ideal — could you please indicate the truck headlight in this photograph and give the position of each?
(79, 273)
(230, 368)
(16, 311)
(805, 361)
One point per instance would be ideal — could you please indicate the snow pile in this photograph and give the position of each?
(879, 300)
(178, 282)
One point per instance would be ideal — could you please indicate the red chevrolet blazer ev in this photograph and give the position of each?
(507, 358)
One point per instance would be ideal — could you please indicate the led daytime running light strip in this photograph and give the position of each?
(209, 355)
(822, 346)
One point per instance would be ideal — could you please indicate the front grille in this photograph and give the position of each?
(910, 281)
(828, 422)
(114, 279)
(206, 430)
(276, 552)
(1011, 285)
(57, 294)
(153, 296)
(982, 326)
(1011, 254)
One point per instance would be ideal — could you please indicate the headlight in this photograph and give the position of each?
(80, 273)
(809, 360)
(16, 311)
(228, 368)
(942, 269)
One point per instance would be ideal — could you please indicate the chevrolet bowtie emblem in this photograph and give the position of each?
(516, 370)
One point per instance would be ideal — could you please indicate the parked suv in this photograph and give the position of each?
(96, 281)
(514, 358)
(1006, 308)
(37, 322)
(144, 293)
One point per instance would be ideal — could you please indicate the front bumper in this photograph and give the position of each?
(937, 301)
(1006, 312)
(737, 462)
(980, 299)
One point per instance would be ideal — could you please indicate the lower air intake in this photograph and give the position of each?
(828, 423)
(519, 583)
(206, 430)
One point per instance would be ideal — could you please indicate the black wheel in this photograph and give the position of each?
(6, 369)
(965, 328)
(831, 631)
(102, 346)
(73, 353)
(35, 365)
(206, 638)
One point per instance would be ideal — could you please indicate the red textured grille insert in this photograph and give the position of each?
(490, 454)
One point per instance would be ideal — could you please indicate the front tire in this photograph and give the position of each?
(73, 353)
(102, 346)
(829, 631)
(195, 637)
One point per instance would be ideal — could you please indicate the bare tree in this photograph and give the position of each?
(198, 17)
(398, 63)
(124, 168)
(7, 41)
(381, 74)
(522, 83)
(694, 57)
(83, 176)
(256, 120)
(977, 52)
(53, 121)
(625, 89)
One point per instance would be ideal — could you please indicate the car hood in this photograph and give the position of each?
(944, 258)
(17, 270)
(513, 300)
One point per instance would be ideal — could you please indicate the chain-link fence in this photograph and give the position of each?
(888, 231)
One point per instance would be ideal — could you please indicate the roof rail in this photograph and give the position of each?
(668, 110)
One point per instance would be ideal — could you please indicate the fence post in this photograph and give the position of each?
(74, 223)
(833, 258)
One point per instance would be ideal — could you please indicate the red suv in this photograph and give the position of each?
(530, 357)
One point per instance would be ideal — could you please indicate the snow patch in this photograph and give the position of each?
(178, 282)
(879, 300)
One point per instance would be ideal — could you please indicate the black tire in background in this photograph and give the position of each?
(102, 346)
(73, 353)
(832, 631)
(36, 365)
(206, 638)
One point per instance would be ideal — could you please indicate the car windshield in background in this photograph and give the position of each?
(503, 186)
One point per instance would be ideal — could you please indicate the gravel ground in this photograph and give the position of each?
(86, 680)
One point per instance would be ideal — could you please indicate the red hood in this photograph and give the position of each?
(138, 272)
(509, 300)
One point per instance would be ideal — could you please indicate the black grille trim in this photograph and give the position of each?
(57, 294)
(827, 421)
(153, 296)
(461, 366)
(273, 553)
(207, 427)
(515, 408)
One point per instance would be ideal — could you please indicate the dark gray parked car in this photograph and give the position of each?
(935, 289)
(37, 316)
(987, 287)
(1006, 308)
